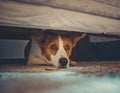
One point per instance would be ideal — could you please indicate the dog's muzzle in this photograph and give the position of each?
(63, 62)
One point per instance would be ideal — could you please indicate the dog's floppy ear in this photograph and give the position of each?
(75, 39)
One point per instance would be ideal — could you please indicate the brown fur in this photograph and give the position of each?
(47, 51)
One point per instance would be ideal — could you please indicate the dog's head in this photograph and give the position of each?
(57, 49)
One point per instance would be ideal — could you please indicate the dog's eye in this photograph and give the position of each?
(53, 47)
(67, 47)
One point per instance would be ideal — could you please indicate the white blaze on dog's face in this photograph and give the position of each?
(57, 50)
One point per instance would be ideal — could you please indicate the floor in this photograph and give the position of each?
(82, 67)
(85, 78)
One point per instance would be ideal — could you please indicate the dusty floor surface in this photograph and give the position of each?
(85, 78)
(83, 67)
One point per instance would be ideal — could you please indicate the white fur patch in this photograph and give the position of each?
(60, 53)
(35, 56)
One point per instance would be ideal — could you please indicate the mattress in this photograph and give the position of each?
(90, 16)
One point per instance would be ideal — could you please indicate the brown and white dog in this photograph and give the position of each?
(51, 49)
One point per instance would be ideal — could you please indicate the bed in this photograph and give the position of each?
(97, 18)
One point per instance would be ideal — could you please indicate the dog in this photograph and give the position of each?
(50, 49)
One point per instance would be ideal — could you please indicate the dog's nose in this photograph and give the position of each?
(63, 62)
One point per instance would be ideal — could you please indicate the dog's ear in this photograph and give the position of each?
(39, 37)
(75, 39)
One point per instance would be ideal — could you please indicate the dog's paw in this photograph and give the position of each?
(51, 69)
(73, 63)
